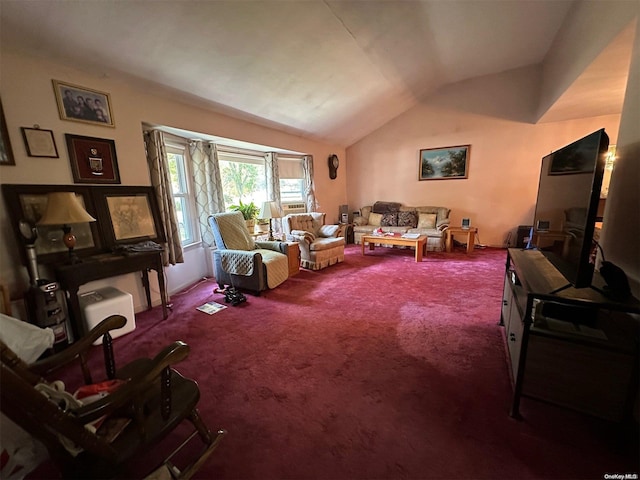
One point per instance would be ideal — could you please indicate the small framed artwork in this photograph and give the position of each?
(39, 142)
(444, 163)
(543, 225)
(129, 215)
(80, 104)
(466, 223)
(6, 153)
(93, 160)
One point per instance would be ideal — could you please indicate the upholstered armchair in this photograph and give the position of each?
(240, 261)
(320, 245)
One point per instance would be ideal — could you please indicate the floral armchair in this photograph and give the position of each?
(240, 261)
(320, 245)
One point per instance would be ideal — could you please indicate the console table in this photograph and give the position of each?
(98, 267)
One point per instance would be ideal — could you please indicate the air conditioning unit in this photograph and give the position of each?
(288, 208)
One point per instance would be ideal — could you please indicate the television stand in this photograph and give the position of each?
(571, 347)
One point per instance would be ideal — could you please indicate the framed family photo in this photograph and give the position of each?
(80, 104)
(93, 160)
(444, 163)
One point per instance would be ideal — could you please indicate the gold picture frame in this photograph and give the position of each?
(444, 163)
(81, 104)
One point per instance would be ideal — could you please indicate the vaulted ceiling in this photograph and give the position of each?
(329, 70)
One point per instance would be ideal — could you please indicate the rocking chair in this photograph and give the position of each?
(151, 401)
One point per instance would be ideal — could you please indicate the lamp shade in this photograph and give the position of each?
(63, 208)
(269, 210)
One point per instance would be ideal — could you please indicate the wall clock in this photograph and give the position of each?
(334, 162)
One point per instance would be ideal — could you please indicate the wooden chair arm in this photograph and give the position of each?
(79, 348)
(144, 375)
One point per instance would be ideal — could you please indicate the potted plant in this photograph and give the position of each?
(249, 212)
(262, 225)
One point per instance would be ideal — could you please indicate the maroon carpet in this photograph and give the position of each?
(379, 367)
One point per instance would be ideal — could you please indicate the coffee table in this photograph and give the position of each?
(420, 243)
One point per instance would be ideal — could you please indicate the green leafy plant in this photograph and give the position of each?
(249, 210)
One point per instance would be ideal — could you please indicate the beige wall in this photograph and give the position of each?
(621, 230)
(28, 99)
(488, 113)
(587, 30)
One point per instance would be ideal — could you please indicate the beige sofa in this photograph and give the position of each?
(393, 217)
(320, 245)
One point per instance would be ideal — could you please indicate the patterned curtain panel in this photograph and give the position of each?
(208, 185)
(309, 187)
(161, 181)
(273, 185)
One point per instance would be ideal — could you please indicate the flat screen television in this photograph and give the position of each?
(567, 206)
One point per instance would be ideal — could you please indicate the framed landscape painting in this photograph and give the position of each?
(444, 163)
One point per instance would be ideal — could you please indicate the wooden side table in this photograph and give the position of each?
(469, 232)
(293, 252)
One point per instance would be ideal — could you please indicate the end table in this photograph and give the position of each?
(469, 232)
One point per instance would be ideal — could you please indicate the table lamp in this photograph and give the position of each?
(270, 210)
(63, 208)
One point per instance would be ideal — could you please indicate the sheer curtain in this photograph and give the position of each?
(161, 181)
(309, 187)
(207, 183)
(273, 184)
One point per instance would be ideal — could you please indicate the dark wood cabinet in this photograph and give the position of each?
(574, 348)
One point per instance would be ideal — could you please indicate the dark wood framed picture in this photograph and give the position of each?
(39, 142)
(29, 202)
(6, 153)
(80, 104)
(129, 215)
(93, 160)
(444, 163)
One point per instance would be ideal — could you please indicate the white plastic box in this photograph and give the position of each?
(99, 304)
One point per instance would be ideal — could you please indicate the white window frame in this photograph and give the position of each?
(191, 214)
(229, 154)
(301, 197)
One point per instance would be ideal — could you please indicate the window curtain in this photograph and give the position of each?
(207, 183)
(273, 185)
(161, 181)
(309, 187)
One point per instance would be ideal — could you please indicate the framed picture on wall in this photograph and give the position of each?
(444, 163)
(6, 153)
(39, 142)
(93, 160)
(81, 104)
(129, 215)
(29, 203)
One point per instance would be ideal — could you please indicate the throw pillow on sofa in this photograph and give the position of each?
(407, 219)
(389, 219)
(374, 219)
(427, 220)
